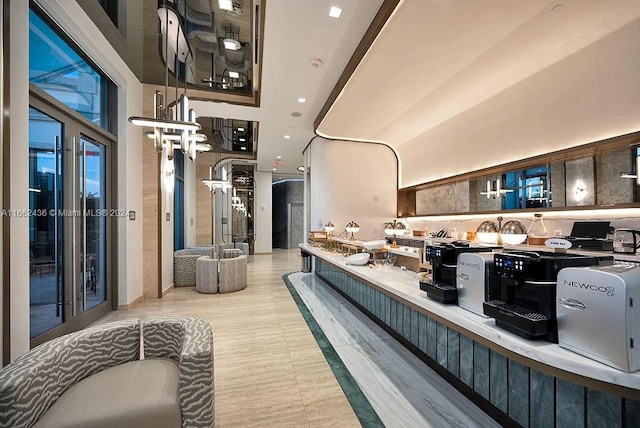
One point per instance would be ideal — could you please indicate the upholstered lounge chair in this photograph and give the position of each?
(242, 246)
(207, 275)
(233, 274)
(184, 264)
(95, 378)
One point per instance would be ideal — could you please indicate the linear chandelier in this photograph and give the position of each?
(217, 180)
(183, 128)
(498, 193)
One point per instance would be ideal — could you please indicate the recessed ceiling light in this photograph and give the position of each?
(242, 139)
(240, 129)
(302, 100)
(234, 74)
(278, 157)
(296, 114)
(274, 169)
(225, 4)
(243, 148)
(287, 137)
(335, 12)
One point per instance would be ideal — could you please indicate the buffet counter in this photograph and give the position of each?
(471, 349)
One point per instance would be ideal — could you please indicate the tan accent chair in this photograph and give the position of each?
(233, 274)
(207, 275)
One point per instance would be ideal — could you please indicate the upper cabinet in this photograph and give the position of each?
(597, 175)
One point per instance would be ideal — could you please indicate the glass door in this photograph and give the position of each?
(91, 224)
(69, 214)
(46, 256)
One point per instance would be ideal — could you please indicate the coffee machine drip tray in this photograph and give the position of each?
(440, 292)
(518, 319)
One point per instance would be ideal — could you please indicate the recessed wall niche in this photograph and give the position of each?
(448, 198)
(612, 188)
(587, 176)
(580, 182)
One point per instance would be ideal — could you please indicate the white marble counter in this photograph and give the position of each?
(405, 286)
(404, 251)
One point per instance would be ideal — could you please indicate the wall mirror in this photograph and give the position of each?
(603, 174)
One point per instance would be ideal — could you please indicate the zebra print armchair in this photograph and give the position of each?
(44, 386)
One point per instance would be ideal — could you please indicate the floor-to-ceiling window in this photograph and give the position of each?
(71, 214)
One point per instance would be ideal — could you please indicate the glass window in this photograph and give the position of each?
(526, 188)
(58, 69)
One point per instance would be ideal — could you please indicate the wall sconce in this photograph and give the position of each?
(352, 227)
(498, 193)
(329, 227)
(580, 190)
(394, 229)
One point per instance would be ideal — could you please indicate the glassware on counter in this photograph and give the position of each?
(537, 233)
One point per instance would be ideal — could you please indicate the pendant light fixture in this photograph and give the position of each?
(183, 128)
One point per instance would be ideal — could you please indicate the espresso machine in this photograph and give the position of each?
(476, 281)
(444, 261)
(525, 301)
(597, 316)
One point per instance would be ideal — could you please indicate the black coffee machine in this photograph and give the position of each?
(526, 301)
(444, 258)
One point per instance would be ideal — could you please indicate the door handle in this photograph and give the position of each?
(74, 253)
(572, 304)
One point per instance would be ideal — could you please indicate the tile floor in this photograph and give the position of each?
(270, 371)
(403, 390)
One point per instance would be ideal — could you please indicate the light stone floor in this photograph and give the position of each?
(269, 370)
(403, 390)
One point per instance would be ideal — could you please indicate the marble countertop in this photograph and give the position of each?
(404, 251)
(628, 257)
(404, 284)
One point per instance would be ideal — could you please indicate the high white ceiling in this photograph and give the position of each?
(432, 63)
(436, 61)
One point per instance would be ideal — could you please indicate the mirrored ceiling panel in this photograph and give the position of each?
(231, 137)
(220, 37)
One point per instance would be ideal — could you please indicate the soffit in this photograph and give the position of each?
(434, 60)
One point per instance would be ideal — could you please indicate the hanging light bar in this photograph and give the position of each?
(166, 131)
(198, 137)
(161, 123)
(217, 183)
